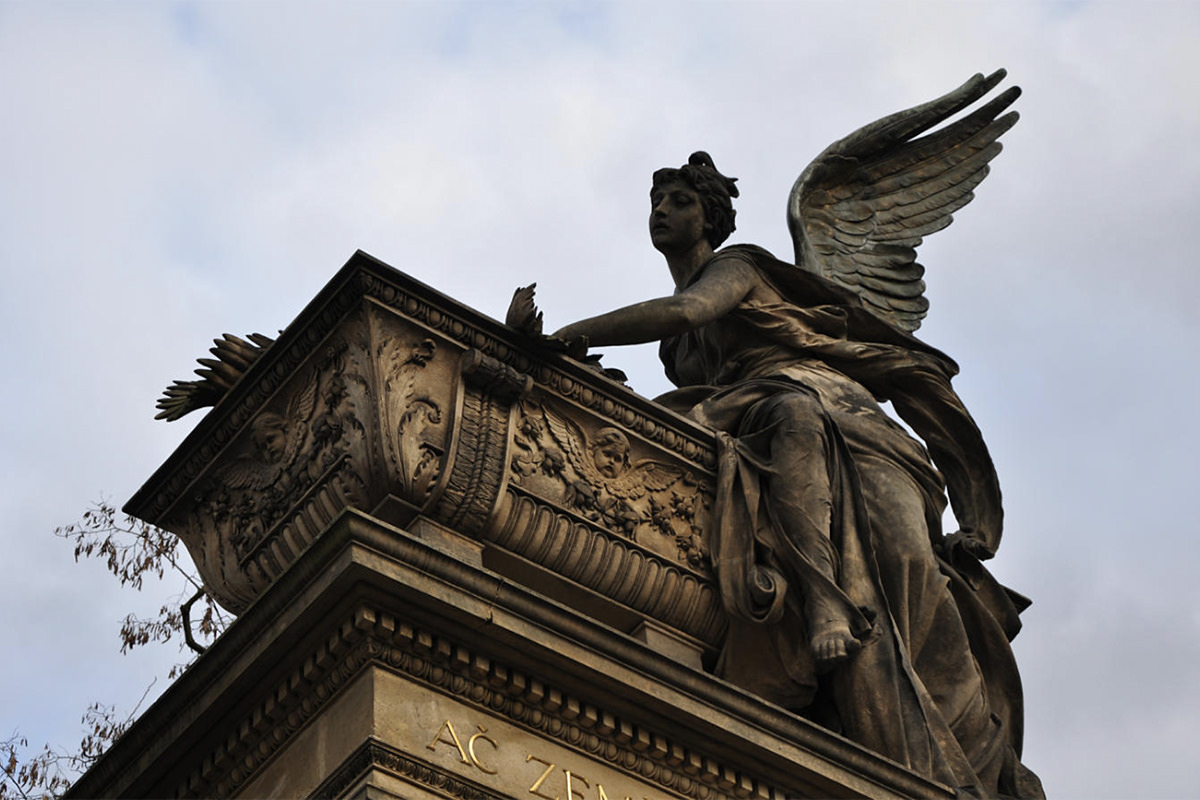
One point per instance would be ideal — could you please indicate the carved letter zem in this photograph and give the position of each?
(572, 793)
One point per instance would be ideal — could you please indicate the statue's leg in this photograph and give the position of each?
(800, 494)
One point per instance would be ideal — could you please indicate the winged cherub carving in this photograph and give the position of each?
(828, 546)
(608, 483)
(278, 442)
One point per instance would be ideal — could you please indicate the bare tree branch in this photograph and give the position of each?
(132, 550)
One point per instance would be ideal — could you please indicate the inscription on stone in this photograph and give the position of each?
(447, 735)
(471, 750)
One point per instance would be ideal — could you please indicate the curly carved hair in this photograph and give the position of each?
(716, 193)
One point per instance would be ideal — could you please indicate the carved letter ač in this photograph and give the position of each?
(471, 749)
(453, 740)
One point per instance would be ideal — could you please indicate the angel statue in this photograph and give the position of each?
(846, 602)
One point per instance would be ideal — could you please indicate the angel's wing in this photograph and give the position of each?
(246, 473)
(644, 476)
(300, 410)
(573, 442)
(858, 211)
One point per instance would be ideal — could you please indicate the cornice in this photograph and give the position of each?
(374, 637)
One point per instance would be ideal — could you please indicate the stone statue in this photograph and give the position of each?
(820, 526)
(846, 602)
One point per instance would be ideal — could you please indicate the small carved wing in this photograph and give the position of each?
(247, 473)
(523, 312)
(300, 411)
(644, 476)
(858, 212)
(573, 442)
(184, 397)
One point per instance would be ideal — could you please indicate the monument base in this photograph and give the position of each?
(403, 662)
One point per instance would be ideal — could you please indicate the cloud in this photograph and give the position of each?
(171, 172)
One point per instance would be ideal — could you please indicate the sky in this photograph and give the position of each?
(173, 171)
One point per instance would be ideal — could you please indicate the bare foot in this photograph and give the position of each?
(832, 644)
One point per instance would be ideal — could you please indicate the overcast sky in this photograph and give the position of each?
(172, 171)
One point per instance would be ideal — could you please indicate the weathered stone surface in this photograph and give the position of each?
(469, 558)
(382, 664)
(386, 396)
(845, 600)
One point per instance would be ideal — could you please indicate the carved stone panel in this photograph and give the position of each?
(283, 478)
(598, 475)
(413, 398)
(362, 418)
(385, 393)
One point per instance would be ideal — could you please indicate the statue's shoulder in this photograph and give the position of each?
(803, 289)
(792, 283)
(751, 253)
(757, 259)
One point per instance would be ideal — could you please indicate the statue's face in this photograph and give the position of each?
(676, 218)
(272, 444)
(610, 458)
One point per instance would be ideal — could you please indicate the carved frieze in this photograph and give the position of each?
(383, 390)
(598, 476)
(248, 518)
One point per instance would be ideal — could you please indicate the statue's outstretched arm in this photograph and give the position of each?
(724, 284)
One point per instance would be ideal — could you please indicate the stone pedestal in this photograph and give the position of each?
(463, 568)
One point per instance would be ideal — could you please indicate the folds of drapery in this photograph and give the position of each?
(935, 686)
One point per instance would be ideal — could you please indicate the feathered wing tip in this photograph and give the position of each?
(859, 211)
(234, 356)
(523, 313)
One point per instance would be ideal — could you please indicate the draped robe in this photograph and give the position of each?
(935, 686)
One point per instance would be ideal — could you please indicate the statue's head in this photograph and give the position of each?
(716, 193)
(610, 452)
(269, 432)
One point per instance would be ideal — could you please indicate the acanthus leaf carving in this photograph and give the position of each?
(409, 417)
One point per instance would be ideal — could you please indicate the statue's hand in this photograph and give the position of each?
(523, 315)
(570, 341)
(965, 542)
(575, 345)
